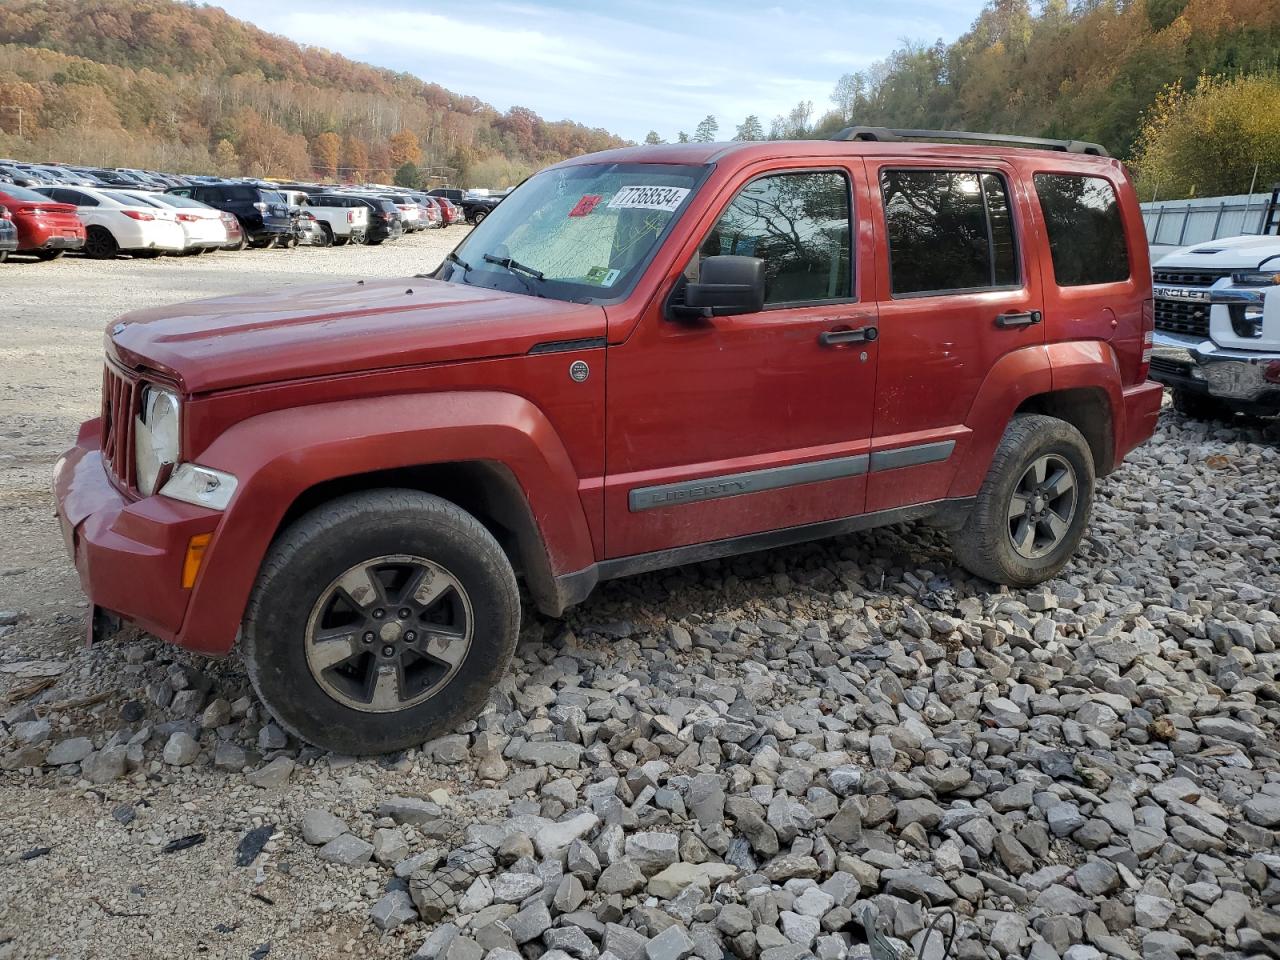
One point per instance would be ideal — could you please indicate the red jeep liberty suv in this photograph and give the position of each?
(641, 358)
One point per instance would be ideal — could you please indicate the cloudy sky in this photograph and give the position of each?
(626, 65)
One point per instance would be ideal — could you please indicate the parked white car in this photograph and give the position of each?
(1217, 326)
(116, 222)
(345, 219)
(410, 212)
(203, 227)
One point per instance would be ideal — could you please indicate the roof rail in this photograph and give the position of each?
(887, 135)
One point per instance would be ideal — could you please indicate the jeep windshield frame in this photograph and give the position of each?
(591, 230)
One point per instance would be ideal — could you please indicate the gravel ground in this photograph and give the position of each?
(739, 758)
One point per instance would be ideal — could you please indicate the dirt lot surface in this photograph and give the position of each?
(1091, 764)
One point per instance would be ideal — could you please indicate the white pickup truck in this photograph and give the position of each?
(1217, 326)
(344, 219)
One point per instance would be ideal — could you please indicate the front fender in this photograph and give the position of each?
(277, 456)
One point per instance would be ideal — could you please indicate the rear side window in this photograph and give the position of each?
(240, 194)
(949, 230)
(1086, 234)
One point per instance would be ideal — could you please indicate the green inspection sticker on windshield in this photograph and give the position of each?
(602, 276)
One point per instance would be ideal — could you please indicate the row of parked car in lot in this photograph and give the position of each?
(46, 210)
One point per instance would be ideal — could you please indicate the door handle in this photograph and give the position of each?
(833, 338)
(1018, 319)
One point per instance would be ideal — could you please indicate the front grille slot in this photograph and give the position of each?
(1177, 316)
(1170, 367)
(1175, 277)
(119, 408)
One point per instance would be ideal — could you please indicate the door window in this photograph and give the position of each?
(949, 230)
(1086, 234)
(799, 225)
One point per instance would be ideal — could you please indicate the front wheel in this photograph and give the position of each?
(379, 621)
(1033, 507)
(478, 217)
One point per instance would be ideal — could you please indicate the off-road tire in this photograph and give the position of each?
(983, 544)
(1200, 406)
(315, 550)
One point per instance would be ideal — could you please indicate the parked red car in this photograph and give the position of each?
(642, 358)
(45, 228)
(450, 212)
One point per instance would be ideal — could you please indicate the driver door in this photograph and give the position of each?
(728, 427)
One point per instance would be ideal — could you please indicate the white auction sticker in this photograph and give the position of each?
(648, 198)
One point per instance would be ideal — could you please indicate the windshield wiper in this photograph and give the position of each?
(515, 266)
(454, 258)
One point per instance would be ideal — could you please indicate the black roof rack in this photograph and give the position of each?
(887, 135)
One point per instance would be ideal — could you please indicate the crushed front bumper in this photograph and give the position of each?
(129, 553)
(1248, 378)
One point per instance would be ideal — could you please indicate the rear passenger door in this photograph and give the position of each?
(956, 294)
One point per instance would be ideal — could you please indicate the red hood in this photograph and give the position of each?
(334, 328)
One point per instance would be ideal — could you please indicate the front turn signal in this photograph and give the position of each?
(195, 556)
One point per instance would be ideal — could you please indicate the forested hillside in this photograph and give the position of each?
(1187, 90)
(1090, 70)
(168, 85)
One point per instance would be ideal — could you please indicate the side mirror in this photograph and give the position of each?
(727, 286)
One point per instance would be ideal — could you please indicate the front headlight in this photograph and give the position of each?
(1256, 278)
(156, 436)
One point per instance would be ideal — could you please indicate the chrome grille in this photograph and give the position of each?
(1178, 316)
(119, 409)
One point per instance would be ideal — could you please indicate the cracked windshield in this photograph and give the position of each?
(576, 233)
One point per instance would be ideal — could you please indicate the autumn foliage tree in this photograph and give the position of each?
(1218, 138)
(403, 147)
(326, 150)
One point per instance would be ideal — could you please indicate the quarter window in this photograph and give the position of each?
(949, 230)
(799, 225)
(1086, 234)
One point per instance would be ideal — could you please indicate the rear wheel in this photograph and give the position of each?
(1033, 507)
(1200, 406)
(100, 244)
(4, 255)
(478, 216)
(379, 621)
(328, 235)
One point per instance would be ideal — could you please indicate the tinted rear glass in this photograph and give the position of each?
(239, 194)
(1086, 233)
(23, 194)
(948, 230)
(124, 198)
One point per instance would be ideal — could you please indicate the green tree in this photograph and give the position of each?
(706, 130)
(750, 129)
(682, 137)
(652, 137)
(407, 175)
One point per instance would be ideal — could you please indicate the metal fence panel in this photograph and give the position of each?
(1182, 222)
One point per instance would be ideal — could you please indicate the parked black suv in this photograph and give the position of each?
(385, 222)
(263, 214)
